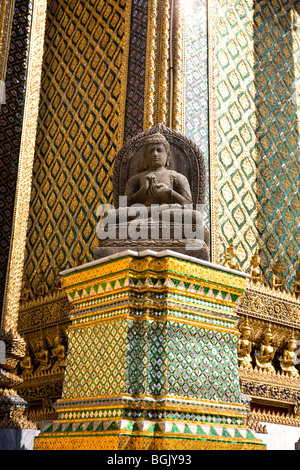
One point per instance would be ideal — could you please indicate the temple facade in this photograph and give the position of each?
(79, 81)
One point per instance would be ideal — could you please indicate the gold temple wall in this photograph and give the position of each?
(82, 116)
(236, 121)
(81, 123)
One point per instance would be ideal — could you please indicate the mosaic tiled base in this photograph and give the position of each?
(152, 359)
(123, 442)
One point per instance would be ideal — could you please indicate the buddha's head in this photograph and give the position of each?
(156, 151)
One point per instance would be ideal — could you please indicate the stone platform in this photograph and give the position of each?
(152, 360)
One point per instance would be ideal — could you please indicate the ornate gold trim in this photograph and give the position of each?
(156, 107)
(276, 417)
(6, 17)
(26, 157)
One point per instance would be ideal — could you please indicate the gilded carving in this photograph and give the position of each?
(255, 271)
(266, 303)
(43, 320)
(277, 282)
(57, 285)
(266, 353)
(288, 360)
(59, 353)
(230, 259)
(42, 356)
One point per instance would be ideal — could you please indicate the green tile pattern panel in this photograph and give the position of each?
(236, 126)
(201, 363)
(277, 69)
(257, 87)
(170, 358)
(103, 369)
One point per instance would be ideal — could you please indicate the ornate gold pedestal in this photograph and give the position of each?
(152, 361)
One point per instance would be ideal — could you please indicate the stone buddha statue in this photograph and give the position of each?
(156, 209)
(158, 184)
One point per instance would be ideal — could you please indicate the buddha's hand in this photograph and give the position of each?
(160, 190)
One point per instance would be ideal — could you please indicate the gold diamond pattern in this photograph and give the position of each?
(77, 136)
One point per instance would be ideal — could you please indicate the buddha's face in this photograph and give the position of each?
(156, 156)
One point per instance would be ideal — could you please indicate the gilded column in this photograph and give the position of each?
(165, 65)
(11, 405)
(177, 94)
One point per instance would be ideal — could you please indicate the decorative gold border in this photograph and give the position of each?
(26, 157)
(165, 65)
(178, 53)
(163, 40)
(124, 74)
(213, 161)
